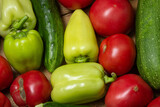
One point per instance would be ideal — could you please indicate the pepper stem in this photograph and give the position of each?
(110, 79)
(19, 24)
(39, 105)
(81, 59)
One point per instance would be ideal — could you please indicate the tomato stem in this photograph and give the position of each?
(104, 48)
(135, 88)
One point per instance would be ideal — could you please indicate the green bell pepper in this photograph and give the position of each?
(23, 48)
(80, 43)
(12, 11)
(79, 83)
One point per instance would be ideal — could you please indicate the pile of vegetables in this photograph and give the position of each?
(82, 69)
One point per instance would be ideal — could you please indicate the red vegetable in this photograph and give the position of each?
(30, 88)
(111, 16)
(117, 54)
(155, 102)
(129, 90)
(75, 4)
(4, 101)
(6, 74)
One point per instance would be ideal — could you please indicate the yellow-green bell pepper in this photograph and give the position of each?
(79, 83)
(12, 11)
(23, 48)
(80, 44)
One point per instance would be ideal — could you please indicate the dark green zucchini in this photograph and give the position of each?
(54, 104)
(50, 27)
(148, 41)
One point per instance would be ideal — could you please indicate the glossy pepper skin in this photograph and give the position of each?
(79, 83)
(12, 11)
(24, 50)
(80, 44)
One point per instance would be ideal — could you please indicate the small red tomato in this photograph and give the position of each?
(75, 4)
(155, 102)
(6, 74)
(129, 90)
(4, 101)
(30, 89)
(117, 54)
(110, 17)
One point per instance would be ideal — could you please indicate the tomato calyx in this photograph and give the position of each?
(114, 5)
(21, 89)
(104, 48)
(135, 88)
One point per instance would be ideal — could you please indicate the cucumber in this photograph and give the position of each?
(50, 27)
(148, 41)
(55, 104)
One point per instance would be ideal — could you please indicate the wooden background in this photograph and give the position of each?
(65, 13)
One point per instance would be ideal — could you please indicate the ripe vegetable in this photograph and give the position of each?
(50, 27)
(12, 11)
(30, 89)
(80, 44)
(6, 74)
(147, 41)
(75, 4)
(55, 104)
(79, 83)
(155, 102)
(117, 54)
(110, 17)
(129, 90)
(4, 101)
(23, 48)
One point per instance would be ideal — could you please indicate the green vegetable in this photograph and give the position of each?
(80, 44)
(12, 11)
(23, 48)
(79, 83)
(55, 104)
(51, 29)
(148, 41)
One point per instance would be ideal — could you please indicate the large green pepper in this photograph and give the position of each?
(80, 44)
(23, 48)
(12, 11)
(79, 83)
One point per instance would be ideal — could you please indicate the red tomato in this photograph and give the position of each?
(111, 16)
(155, 102)
(75, 4)
(30, 88)
(4, 101)
(6, 74)
(129, 90)
(117, 54)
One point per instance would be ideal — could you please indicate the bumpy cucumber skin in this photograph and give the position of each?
(51, 29)
(55, 104)
(148, 41)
